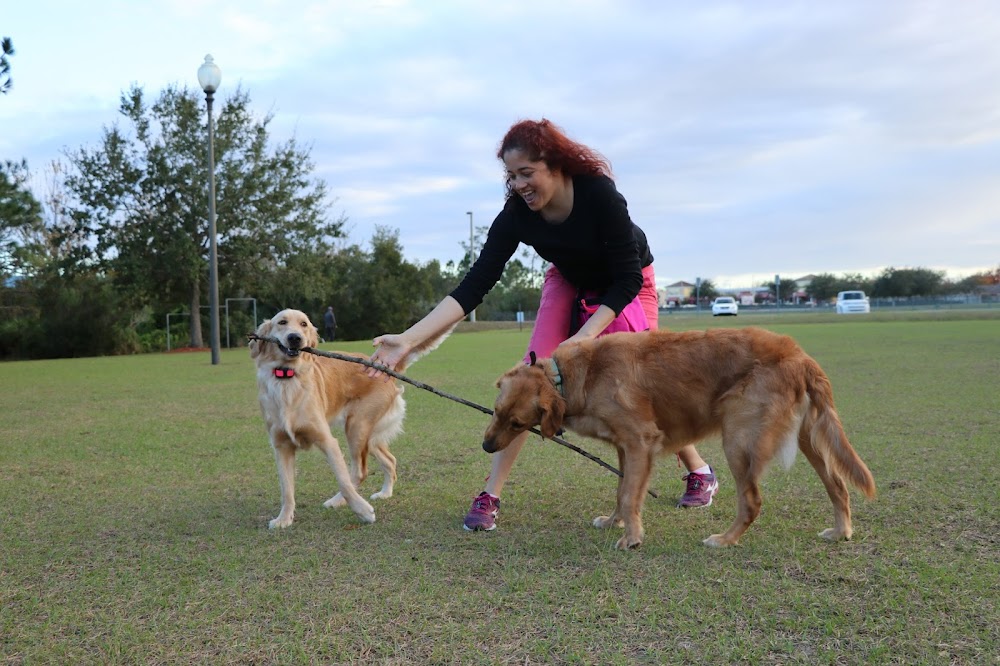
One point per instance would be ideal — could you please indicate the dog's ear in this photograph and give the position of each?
(257, 346)
(553, 411)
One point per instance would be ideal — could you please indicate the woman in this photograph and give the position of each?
(561, 201)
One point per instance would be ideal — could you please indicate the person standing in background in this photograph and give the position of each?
(329, 324)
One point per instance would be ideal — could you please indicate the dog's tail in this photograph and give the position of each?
(827, 433)
(424, 348)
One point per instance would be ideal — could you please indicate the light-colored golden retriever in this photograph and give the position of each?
(302, 395)
(654, 392)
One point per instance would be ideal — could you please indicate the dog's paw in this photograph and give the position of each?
(335, 501)
(280, 522)
(833, 534)
(718, 541)
(381, 495)
(364, 511)
(628, 543)
(607, 522)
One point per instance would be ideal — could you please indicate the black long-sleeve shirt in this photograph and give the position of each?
(597, 247)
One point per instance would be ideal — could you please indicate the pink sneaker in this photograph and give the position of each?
(701, 488)
(483, 514)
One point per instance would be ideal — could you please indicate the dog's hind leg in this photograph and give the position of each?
(388, 462)
(836, 488)
(748, 500)
(334, 456)
(386, 429)
(747, 447)
(759, 422)
(284, 456)
(358, 431)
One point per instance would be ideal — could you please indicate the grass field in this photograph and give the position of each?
(135, 494)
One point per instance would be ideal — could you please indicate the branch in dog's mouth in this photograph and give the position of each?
(287, 351)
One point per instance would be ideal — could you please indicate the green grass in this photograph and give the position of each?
(135, 494)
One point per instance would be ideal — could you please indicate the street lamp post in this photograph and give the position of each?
(210, 76)
(472, 255)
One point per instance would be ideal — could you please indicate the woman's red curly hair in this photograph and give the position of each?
(543, 140)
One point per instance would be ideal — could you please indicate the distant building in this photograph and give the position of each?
(799, 293)
(674, 294)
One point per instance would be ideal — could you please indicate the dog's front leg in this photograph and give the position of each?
(637, 465)
(614, 520)
(284, 456)
(606, 522)
(335, 457)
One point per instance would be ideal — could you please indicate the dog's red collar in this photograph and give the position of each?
(284, 373)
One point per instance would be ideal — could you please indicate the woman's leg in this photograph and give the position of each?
(649, 299)
(690, 458)
(503, 461)
(551, 327)
(552, 322)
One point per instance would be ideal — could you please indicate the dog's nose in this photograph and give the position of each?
(294, 340)
(489, 446)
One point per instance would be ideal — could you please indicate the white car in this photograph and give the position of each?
(725, 305)
(852, 302)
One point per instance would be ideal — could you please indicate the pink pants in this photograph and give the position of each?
(558, 296)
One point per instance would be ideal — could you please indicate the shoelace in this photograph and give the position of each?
(693, 481)
(482, 505)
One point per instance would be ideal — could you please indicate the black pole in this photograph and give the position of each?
(213, 268)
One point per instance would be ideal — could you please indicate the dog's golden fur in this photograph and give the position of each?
(299, 411)
(655, 392)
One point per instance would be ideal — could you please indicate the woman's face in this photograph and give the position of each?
(532, 180)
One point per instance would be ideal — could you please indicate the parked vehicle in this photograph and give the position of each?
(725, 305)
(852, 302)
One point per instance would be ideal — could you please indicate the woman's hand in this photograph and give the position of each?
(392, 350)
(598, 321)
(389, 351)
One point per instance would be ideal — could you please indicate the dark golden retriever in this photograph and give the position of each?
(654, 392)
(302, 395)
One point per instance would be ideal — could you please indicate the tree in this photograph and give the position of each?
(142, 196)
(377, 291)
(7, 49)
(856, 282)
(988, 278)
(20, 217)
(43, 308)
(707, 291)
(471, 254)
(772, 291)
(824, 287)
(41, 242)
(516, 290)
(908, 282)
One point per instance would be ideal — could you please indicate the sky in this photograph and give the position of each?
(750, 139)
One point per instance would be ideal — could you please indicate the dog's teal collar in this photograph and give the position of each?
(557, 378)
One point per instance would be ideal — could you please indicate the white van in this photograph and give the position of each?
(852, 302)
